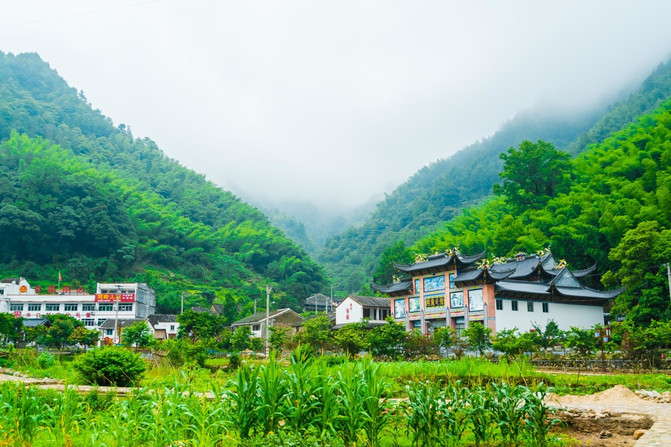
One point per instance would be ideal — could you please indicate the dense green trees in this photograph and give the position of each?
(616, 213)
(102, 205)
(533, 174)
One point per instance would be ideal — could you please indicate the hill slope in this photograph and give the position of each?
(617, 214)
(440, 191)
(107, 206)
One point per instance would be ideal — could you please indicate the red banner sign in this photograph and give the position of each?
(113, 297)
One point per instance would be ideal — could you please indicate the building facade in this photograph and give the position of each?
(115, 301)
(355, 309)
(451, 290)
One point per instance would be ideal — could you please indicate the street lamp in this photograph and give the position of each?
(268, 289)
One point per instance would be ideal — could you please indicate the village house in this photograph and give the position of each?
(286, 318)
(355, 309)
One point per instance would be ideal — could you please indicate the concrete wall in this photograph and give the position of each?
(565, 315)
(350, 308)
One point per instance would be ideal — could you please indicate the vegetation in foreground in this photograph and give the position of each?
(270, 404)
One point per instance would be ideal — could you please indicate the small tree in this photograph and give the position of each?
(11, 327)
(84, 337)
(513, 344)
(581, 340)
(278, 338)
(137, 334)
(316, 332)
(351, 338)
(548, 337)
(240, 339)
(387, 340)
(111, 366)
(445, 337)
(420, 345)
(478, 337)
(58, 333)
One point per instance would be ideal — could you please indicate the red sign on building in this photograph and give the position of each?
(113, 297)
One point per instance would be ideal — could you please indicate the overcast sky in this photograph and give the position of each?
(332, 101)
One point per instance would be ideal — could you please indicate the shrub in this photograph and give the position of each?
(45, 360)
(111, 366)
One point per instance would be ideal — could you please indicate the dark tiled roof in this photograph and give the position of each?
(33, 322)
(401, 286)
(439, 261)
(584, 272)
(261, 315)
(586, 292)
(372, 301)
(123, 322)
(318, 299)
(161, 318)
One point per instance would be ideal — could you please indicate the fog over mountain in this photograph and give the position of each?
(333, 102)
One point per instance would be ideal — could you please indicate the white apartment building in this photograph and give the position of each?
(134, 301)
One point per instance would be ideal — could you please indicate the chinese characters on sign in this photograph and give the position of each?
(112, 297)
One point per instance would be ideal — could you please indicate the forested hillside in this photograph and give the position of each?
(440, 191)
(615, 211)
(103, 205)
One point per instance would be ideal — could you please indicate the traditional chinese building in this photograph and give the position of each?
(452, 290)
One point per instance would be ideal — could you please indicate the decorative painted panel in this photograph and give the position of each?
(456, 299)
(434, 283)
(475, 301)
(413, 305)
(399, 308)
(417, 286)
(452, 276)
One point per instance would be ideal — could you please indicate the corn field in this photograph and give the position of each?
(270, 405)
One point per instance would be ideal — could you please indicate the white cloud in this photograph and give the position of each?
(332, 101)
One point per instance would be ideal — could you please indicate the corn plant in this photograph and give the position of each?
(509, 412)
(244, 401)
(328, 410)
(480, 414)
(538, 424)
(273, 395)
(302, 411)
(422, 413)
(21, 414)
(65, 416)
(376, 405)
(350, 400)
(452, 410)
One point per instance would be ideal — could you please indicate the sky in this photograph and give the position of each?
(333, 102)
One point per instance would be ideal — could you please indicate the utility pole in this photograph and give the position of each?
(181, 309)
(268, 289)
(668, 275)
(116, 315)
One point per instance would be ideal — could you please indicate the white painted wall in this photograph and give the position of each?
(565, 315)
(351, 308)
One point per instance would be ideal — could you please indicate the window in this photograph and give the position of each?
(34, 307)
(256, 327)
(109, 332)
(172, 327)
(88, 307)
(53, 307)
(514, 305)
(105, 307)
(546, 307)
(70, 307)
(530, 306)
(89, 322)
(101, 321)
(366, 313)
(16, 307)
(126, 307)
(499, 304)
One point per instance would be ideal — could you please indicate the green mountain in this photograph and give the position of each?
(87, 198)
(439, 192)
(615, 212)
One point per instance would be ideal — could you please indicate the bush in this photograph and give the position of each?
(45, 360)
(111, 366)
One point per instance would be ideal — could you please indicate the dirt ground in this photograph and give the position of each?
(605, 419)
